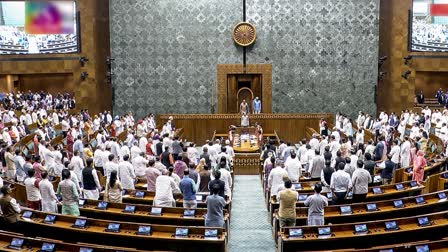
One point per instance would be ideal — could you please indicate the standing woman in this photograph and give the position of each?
(113, 189)
(419, 167)
(70, 142)
(70, 197)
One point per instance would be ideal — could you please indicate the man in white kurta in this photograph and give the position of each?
(165, 188)
(49, 199)
(275, 178)
(405, 153)
(140, 163)
(126, 173)
(78, 165)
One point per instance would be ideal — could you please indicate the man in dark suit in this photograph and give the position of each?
(420, 98)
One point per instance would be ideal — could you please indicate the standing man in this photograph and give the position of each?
(360, 180)
(215, 208)
(90, 181)
(126, 173)
(188, 188)
(340, 184)
(316, 204)
(287, 199)
(257, 105)
(244, 107)
(49, 199)
(9, 206)
(276, 175)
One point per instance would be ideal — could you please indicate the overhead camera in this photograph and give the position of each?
(406, 74)
(407, 59)
(84, 76)
(83, 61)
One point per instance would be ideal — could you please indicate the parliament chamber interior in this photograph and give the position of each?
(236, 125)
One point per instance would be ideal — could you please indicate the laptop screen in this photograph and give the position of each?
(81, 202)
(17, 242)
(49, 218)
(423, 221)
(360, 228)
(398, 203)
(346, 210)
(144, 229)
(139, 194)
(324, 231)
(329, 195)
(182, 232)
(189, 212)
(445, 175)
(113, 226)
(129, 209)
(85, 249)
(414, 184)
(211, 233)
(156, 210)
(80, 222)
(102, 205)
(47, 247)
(377, 190)
(419, 200)
(371, 207)
(298, 186)
(442, 195)
(390, 225)
(27, 214)
(295, 232)
(422, 248)
(303, 197)
(399, 186)
(198, 197)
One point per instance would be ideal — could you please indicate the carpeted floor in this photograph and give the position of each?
(249, 226)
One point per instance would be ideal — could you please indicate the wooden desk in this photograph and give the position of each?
(389, 192)
(34, 244)
(434, 246)
(170, 215)
(385, 210)
(343, 235)
(162, 236)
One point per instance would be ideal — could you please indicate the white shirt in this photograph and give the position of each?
(139, 164)
(98, 158)
(395, 152)
(32, 192)
(361, 179)
(126, 174)
(340, 181)
(135, 151)
(294, 168)
(78, 165)
(275, 179)
(165, 187)
(109, 167)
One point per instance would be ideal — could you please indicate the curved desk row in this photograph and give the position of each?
(125, 234)
(366, 234)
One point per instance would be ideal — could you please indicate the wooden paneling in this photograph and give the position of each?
(53, 83)
(265, 70)
(93, 93)
(429, 82)
(290, 127)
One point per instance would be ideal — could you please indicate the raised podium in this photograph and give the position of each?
(245, 140)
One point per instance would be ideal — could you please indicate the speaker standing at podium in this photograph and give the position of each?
(244, 120)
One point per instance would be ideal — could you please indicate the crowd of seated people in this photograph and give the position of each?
(345, 161)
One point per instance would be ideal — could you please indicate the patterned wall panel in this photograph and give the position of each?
(324, 53)
(166, 53)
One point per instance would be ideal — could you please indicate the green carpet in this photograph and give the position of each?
(249, 226)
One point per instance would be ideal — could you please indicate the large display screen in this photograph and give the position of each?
(429, 26)
(38, 27)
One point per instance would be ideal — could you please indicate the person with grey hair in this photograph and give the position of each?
(276, 175)
(316, 204)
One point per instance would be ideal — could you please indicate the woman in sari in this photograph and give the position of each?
(113, 189)
(419, 167)
(70, 142)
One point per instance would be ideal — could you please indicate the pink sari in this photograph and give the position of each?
(419, 167)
